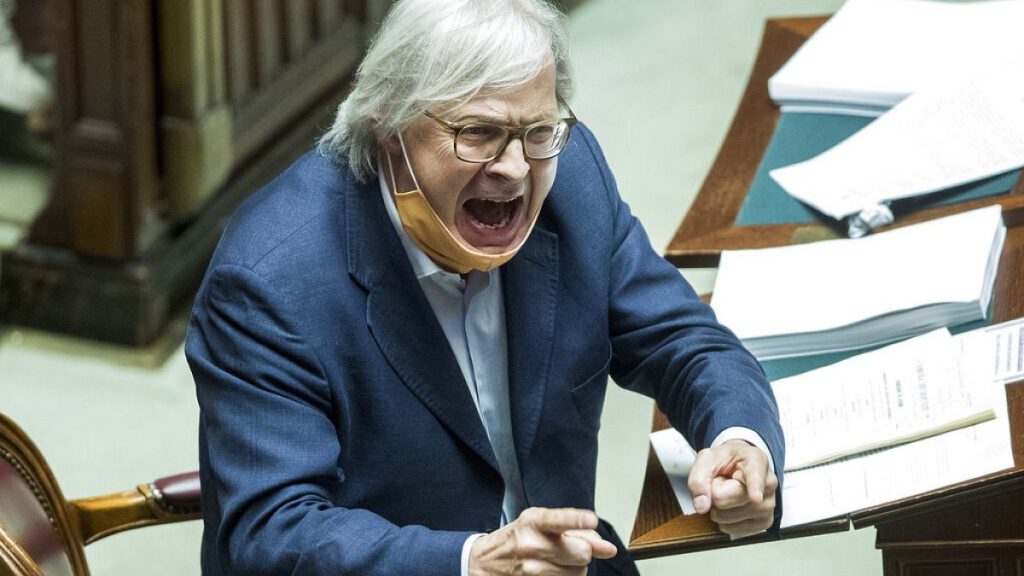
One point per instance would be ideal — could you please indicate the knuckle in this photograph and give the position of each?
(531, 567)
(528, 546)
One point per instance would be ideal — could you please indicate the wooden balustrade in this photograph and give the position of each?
(170, 113)
(245, 69)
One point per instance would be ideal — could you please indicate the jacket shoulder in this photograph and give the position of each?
(303, 200)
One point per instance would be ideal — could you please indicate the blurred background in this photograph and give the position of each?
(161, 116)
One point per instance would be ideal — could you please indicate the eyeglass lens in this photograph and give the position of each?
(481, 142)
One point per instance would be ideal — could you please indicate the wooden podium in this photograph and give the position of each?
(973, 528)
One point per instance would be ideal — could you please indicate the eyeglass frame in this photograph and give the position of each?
(510, 131)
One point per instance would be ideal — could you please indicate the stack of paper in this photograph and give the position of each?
(873, 53)
(952, 449)
(938, 138)
(848, 294)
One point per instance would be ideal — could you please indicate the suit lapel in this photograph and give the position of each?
(402, 322)
(530, 282)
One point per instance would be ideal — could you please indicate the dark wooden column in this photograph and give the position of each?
(107, 181)
(82, 269)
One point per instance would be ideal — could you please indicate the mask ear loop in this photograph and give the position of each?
(394, 184)
(391, 170)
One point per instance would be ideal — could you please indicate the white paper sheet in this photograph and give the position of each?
(676, 457)
(873, 53)
(998, 349)
(899, 393)
(936, 139)
(896, 473)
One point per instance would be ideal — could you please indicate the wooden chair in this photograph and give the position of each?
(41, 533)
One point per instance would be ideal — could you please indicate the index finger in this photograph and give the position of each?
(751, 472)
(558, 520)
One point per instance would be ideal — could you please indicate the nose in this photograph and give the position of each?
(511, 164)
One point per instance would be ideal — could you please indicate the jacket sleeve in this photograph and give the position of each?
(668, 345)
(270, 448)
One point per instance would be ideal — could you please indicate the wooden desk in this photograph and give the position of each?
(709, 226)
(976, 527)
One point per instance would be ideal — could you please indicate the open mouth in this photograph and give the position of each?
(492, 214)
(491, 222)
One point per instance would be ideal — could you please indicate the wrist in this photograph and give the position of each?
(467, 555)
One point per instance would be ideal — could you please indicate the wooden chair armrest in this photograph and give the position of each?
(167, 500)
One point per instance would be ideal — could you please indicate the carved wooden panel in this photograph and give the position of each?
(972, 561)
(107, 168)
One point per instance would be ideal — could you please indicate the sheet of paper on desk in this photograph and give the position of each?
(676, 457)
(873, 53)
(998, 349)
(895, 473)
(938, 138)
(903, 392)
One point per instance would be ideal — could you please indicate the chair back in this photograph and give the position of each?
(37, 534)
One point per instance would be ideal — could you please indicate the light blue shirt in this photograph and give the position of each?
(471, 312)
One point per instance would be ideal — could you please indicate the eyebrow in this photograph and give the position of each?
(488, 119)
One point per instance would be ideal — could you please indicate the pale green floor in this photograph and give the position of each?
(658, 82)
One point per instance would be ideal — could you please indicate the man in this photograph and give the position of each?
(402, 344)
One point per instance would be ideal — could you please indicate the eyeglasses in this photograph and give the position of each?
(481, 142)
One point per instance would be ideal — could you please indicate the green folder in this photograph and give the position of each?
(800, 136)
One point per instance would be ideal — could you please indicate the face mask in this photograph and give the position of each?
(427, 230)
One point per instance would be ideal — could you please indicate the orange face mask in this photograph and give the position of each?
(427, 230)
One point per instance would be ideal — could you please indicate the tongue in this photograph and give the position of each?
(490, 214)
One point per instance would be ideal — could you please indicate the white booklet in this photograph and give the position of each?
(873, 53)
(840, 295)
(897, 394)
(883, 475)
(938, 138)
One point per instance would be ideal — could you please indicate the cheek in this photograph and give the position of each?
(445, 185)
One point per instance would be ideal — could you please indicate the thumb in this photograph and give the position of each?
(699, 481)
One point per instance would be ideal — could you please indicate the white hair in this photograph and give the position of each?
(431, 53)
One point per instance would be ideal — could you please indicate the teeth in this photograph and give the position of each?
(502, 224)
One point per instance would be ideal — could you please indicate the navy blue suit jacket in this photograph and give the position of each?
(337, 434)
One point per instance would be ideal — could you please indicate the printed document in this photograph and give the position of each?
(903, 392)
(999, 350)
(936, 139)
(873, 53)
